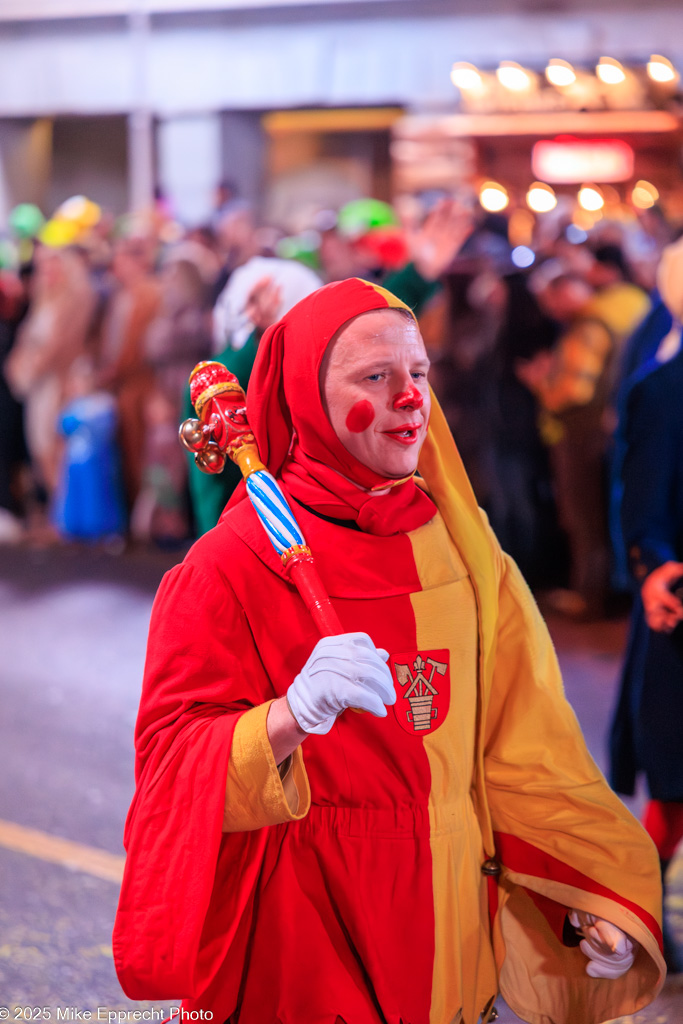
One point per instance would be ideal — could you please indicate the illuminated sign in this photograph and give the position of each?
(572, 161)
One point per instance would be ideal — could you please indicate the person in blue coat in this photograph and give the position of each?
(89, 502)
(637, 357)
(646, 731)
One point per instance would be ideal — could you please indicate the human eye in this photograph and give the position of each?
(374, 377)
(419, 374)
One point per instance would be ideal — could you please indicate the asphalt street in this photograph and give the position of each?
(73, 626)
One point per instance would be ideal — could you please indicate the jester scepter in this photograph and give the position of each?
(222, 430)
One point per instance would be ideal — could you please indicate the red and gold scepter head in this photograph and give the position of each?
(222, 429)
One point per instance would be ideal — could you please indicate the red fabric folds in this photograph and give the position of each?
(173, 899)
(402, 509)
(295, 438)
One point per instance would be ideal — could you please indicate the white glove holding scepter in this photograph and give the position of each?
(345, 671)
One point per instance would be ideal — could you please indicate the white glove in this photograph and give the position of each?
(345, 671)
(610, 951)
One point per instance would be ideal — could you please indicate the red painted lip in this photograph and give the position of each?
(407, 433)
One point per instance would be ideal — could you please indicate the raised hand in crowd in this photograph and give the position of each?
(436, 242)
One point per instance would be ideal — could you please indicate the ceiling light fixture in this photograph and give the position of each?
(590, 198)
(644, 195)
(493, 197)
(560, 72)
(610, 71)
(541, 198)
(466, 76)
(660, 69)
(513, 76)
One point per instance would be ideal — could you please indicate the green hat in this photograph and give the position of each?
(26, 220)
(362, 215)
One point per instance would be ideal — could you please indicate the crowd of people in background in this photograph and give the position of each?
(559, 374)
(101, 323)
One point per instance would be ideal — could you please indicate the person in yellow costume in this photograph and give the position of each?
(290, 861)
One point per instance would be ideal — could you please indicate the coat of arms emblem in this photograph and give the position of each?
(423, 679)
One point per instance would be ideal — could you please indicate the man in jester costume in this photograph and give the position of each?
(291, 861)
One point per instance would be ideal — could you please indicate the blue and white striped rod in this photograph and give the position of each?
(273, 511)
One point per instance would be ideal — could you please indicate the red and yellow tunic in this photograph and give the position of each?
(354, 891)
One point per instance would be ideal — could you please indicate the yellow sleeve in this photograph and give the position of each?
(255, 793)
(561, 834)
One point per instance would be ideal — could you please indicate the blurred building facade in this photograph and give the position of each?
(117, 98)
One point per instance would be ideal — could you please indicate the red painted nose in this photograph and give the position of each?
(410, 399)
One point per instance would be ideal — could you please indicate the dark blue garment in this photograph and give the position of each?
(646, 733)
(89, 504)
(652, 507)
(642, 346)
(637, 361)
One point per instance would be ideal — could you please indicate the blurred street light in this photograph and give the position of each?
(493, 197)
(610, 71)
(560, 72)
(590, 198)
(644, 195)
(522, 256)
(513, 76)
(541, 198)
(660, 69)
(466, 77)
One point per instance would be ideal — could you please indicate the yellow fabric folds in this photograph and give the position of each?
(464, 971)
(255, 793)
(544, 789)
(442, 469)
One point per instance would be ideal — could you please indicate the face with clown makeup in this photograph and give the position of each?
(375, 392)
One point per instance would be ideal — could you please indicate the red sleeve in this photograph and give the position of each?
(202, 671)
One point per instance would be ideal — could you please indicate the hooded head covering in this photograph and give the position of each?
(294, 435)
(297, 443)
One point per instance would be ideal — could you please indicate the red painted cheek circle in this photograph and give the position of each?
(360, 417)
